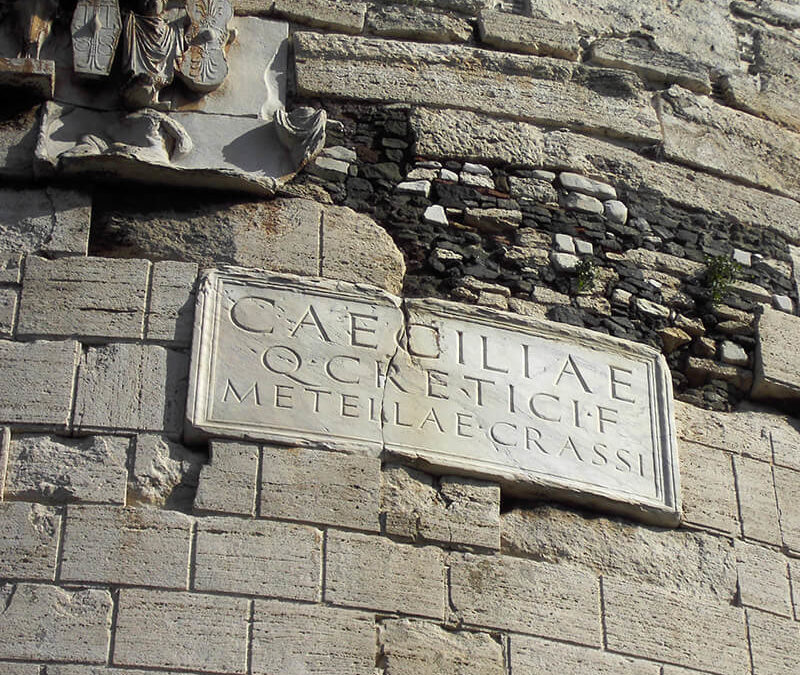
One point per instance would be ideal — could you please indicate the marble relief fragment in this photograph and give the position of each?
(203, 66)
(96, 28)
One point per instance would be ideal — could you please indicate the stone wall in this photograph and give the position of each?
(605, 164)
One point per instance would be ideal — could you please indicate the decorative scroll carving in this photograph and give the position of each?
(96, 28)
(203, 66)
(302, 132)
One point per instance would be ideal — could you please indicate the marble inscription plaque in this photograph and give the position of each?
(541, 408)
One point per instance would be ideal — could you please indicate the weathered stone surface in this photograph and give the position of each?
(794, 252)
(757, 505)
(529, 35)
(775, 643)
(761, 95)
(587, 186)
(773, 11)
(311, 639)
(91, 298)
(528, 87)
(529, 191)
(36, 387)
(137, 546)
(8, 310)
(777, 368)
(33, 669)
(450, 510)
(162, 629)
(164, 473)
(421, 648)
(709, 495)
(258, 558)
(763, 579)
(344, 17)
(706, 635)
(28, 540)
(320, 487)
(658, 66)
(690, 562)
(785, 438)
(10, 267)
(526, 596)
(493, 219)
(171, 310)
(253, 6)
(45, 623)
(228, 483)
(787, 487)
(356, 249)
(416, 23)
(128, 386)
(575, 201)
(362, 571)
(59, 470)
(442, 134)
(51, 221)
(33, 76)
(17, 141)
(534, 655)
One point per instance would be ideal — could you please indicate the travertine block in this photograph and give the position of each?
(137, 387)
(709, 495)
(757, 503)
(51, 221)
(362, 571)
(534, 655)
(525, 596)
(8, 310)
(5, 442)
(345, 17)
(65, 669)
(794, 575)
(421, 648)
(36, 387)
(453, 511)
(172, 298)
(45, 623)
(28, 541)
(777, 371)
(164, 473)
(416, 23)
(161, 629)
(763, 579)
(258, 558)
(763, 97)
(311, 639)
(787, 487)
(56, 469)
(794, 251)
(91, 298)
(703, 633)
(775, 644)
(526, 87)
(17, 143)
(29, 669)
(113, 545)
(228, 483)
(321, 487)
(529, 35)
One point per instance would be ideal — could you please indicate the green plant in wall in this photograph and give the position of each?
(586, 273)
(721, 272)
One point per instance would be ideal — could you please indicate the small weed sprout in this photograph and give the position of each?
(721, 272)
(586, 271)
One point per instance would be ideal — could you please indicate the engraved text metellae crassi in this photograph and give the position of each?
(540, 407)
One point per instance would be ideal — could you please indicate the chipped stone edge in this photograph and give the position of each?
(664, 512)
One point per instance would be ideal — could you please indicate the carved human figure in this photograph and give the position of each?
(151, 48)
(35, 21)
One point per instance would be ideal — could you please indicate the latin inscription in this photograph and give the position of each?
(466, 390)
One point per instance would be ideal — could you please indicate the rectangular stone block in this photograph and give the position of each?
(90, 298)
(28, 541)
(787, 487)
(187, 631)
(531, 88)
(311, 639)
(58, 470)
(8, 310)
(758, 506)
(170, 316)
(794, 575)
(775, 643)
(5, 442)
(761, 97)
(344, 17)
(417, 23)
(36, 387)
(330, 488)
(703, 633)
(451, 510)
(228, 483)
(136, 546)
(258, 558)
(24, 669)
(45, 623)
(709, 495)
(763, 579)
(46, 221)
(421, 648)
(363, 571)
(777, 370)
(128, 386)
(65, 669)
(558, 601)
(515, 33)
(534, 655)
